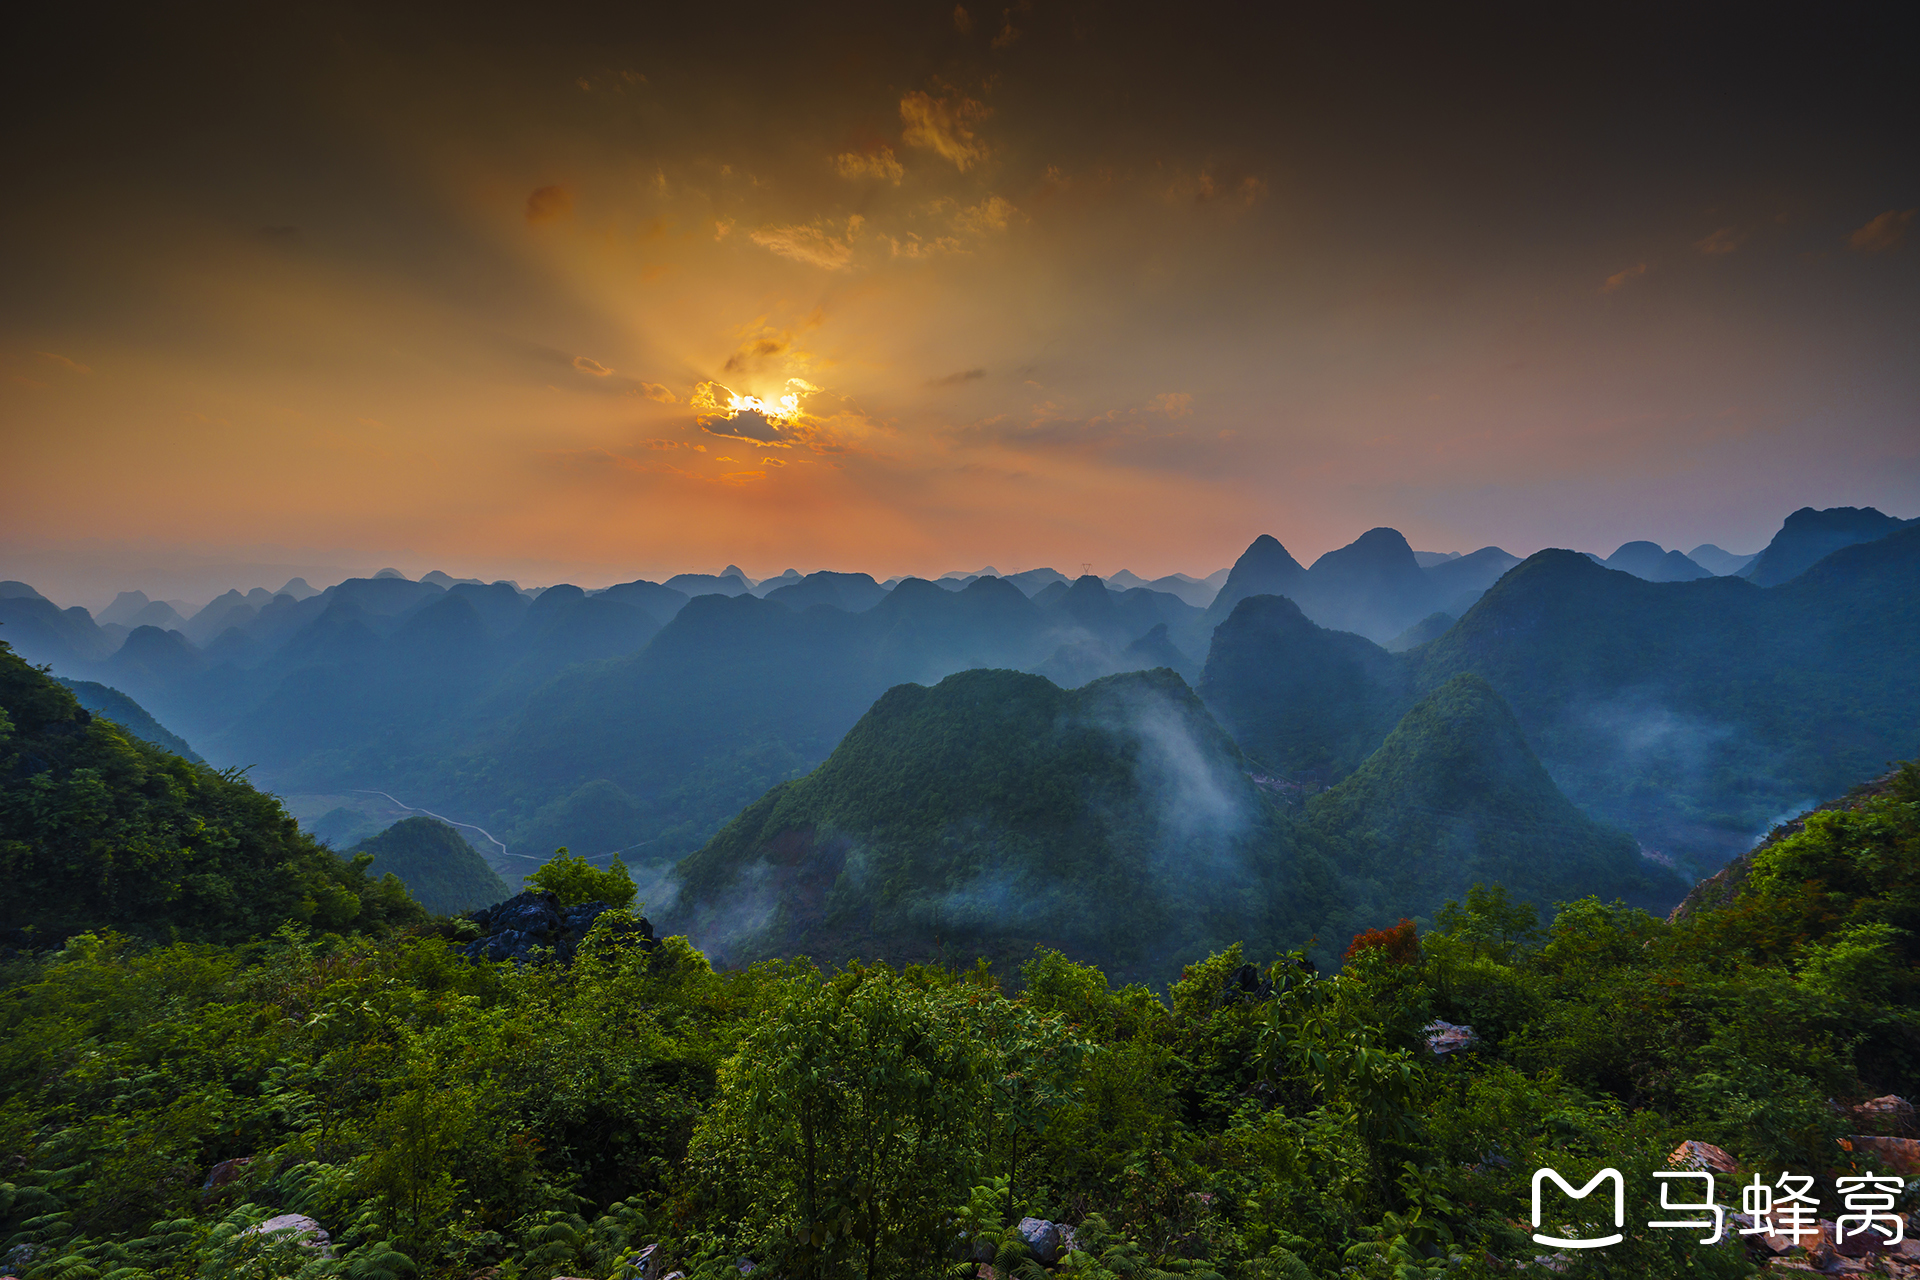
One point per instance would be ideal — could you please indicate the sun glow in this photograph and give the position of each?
(780, 410)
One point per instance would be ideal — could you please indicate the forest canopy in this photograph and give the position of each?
(439, 1117)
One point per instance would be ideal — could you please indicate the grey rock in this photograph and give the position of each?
(646, 1264)
(1446, 1037)
(1043, 1239)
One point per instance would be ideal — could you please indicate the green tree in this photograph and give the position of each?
(577, 881)
(849, 1124)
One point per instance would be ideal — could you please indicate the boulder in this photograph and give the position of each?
(1446, 1037)
(223, 1173)
(1042, 1239)
(297, 1227)
(1888, 1112)
(1702, 1155)
(1893, 1155)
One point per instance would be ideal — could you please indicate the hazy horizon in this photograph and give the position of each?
(87, 580)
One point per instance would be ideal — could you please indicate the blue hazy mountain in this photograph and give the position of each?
(116, 706)
(1808, 536)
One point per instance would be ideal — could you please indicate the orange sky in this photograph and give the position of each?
(1058, 284)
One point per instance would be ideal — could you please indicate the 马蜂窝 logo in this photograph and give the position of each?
(1870, 1198)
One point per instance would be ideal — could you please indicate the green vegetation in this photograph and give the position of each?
(997, 811)
(1454, 796)
(577, 881)
(1116, 822)
(101, 830)
(440, 1117)
(441, 870)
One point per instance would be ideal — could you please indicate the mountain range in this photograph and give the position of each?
(640, 718)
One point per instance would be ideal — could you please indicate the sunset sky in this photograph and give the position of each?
(486, 289)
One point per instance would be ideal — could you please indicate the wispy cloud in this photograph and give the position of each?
(756, 351)
(944, 126)
(594, 367)
(955, 379)
(1620, 279)
(1725, 240)
(810, 244)
(54, 357)
(879, 165)
(991, 214)
(1883, 233)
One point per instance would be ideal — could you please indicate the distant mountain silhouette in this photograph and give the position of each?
(1650, 561)
(1641, 698)
(1718, 562)
(1156, 649)
(1809, 535)
(853, 592)
(1431, 627)
(1373, 586)
(1465, 577)
(1297, 697)
(701, 584)
(1265, 568)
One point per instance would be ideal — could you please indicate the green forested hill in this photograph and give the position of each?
(996, 810)
(1298, 697)
(1454, 796)
(440, 869)
(1118, 823)
(101, 830)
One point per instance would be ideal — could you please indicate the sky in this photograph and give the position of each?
(594, 292)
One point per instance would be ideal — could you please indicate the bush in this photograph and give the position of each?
(576, 880)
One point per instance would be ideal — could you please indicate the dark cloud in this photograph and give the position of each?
(955, 379)
(754, 352)
(747, 424)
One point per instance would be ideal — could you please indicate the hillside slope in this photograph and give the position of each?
(129, 715)
(1455, 797)
(440, 869)
(100, 830)
(996, 811)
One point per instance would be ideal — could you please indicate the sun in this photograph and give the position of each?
(781, 410)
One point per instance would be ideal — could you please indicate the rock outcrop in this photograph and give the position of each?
(1043, 1239)
(533, 922)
